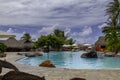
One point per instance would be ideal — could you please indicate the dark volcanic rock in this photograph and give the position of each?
(77, 79)
(8, 65)
(16, 75)
(91, 54)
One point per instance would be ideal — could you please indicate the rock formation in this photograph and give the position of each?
(8, 65)
(16, 74)
(77, 79)
(91, 54)
(13, 75)
(47, 63)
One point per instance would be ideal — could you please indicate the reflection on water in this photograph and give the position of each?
(73, 60)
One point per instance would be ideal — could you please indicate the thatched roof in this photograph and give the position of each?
(25, 44)
(2, 41)
(101, 41)
(13, 43)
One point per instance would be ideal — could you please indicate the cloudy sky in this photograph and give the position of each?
(80, 19)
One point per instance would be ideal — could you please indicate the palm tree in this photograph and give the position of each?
(27, 42)
(26, 37)
(113, 11)
(112, 35)
(70, 41)
(112, 30)
(59, 33)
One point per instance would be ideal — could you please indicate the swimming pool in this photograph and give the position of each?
(72, 60)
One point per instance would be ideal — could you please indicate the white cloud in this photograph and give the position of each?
(85, 39)
(10, 30)
(101, 26)
(84, 35)
(19, 35)
(67, 31)
(81, 40)
(49, 12)
(86, 31)
(72, 13)
(48, 30)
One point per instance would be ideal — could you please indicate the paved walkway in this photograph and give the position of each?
(64, 74)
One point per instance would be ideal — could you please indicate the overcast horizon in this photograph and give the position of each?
(81, 20)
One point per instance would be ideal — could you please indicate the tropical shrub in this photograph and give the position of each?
(3, 47)
(54, 40)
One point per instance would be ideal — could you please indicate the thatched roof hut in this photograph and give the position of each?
(100, 43)
(2, 41)
(25, 44)
(101, 40)
(12, 43)
(15, 45)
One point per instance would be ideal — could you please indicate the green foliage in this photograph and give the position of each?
(26, 37)
(113, 8)
(41, 42)
(49, 40)
(112, 30)
(3, 47)
(70, 41)
(55, 40)
(113, 40)
(60, 34)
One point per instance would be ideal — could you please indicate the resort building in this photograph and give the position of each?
(66, 47)
(86, 46)
(13, 44)
(100, 44)
(73, 47)
(17, 45)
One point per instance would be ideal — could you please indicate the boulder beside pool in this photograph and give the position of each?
(77, 79)
(13, 75)
(91, 54)
(47, 63)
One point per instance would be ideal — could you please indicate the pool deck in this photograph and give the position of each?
(63, 74)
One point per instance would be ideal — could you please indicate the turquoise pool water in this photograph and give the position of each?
(72, 60)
